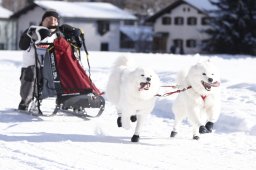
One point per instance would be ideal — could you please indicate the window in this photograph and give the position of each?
(166, 21)
(205, 21)
(186, 9)
(104, 47)
(103, 27)
(192, 21)
(1, 46)
(125, 41)
(191, 43)
(178, 21)
(129, 22)
(178, 42)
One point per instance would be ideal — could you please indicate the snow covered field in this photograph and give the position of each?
(66, 142)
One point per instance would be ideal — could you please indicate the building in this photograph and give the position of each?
(101, 22)
(178, 27)
(5, 27)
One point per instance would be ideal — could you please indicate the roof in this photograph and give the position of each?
(138, 33)
(89, 10)
(202, 5)
(5, 13)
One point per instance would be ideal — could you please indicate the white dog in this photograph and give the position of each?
(201, 101)
(132, 90)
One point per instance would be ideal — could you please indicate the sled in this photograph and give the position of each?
(60, 74)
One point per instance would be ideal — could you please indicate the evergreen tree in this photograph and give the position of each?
(232, 27)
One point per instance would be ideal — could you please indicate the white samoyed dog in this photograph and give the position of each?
(132, 90)
(201, 102)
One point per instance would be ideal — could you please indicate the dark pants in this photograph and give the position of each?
(28, 85)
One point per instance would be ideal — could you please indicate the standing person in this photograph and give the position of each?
(49, 20)
(173, 49)
(182, 50)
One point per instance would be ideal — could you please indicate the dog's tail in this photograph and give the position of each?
(113, 84)
(181, 78)
(124, 61)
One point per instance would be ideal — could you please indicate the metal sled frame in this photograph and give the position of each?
(78, 102)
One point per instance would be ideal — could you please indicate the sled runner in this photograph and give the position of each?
(59, 73)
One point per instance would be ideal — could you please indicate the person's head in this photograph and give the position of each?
(50, 18)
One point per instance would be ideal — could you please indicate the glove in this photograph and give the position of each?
(38, 33)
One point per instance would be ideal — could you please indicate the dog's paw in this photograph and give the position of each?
(195, 137)
(119, 122)
(133, 118)
(202, 130)
(173, 134)
(209, 126)
(135, 138)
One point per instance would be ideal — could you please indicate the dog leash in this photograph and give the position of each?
(173, 92)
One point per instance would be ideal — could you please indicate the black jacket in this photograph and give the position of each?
(25, 40)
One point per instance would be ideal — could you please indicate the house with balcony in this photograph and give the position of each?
(101, 22)
(178, 28)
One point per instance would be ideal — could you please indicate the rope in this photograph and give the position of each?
(170, 93)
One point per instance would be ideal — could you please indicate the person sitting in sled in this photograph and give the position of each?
(50, 19)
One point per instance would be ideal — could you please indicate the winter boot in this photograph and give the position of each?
(209, 126)
(133, 118)
(202, 130)
(173, 134)
(119, 122)
(22, 106)
(196, 137)
(135, 138)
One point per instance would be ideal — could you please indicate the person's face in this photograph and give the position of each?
(50, 21)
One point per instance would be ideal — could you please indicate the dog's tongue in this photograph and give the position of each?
(215, 84)
(147, 86)
(207, 85)
(144, 86)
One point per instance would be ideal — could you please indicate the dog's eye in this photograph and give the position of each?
(204, 74)
(142, 75)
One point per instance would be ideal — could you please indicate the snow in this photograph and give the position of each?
(89, 10)
(204, 5)
(66, 142)
(5, 13)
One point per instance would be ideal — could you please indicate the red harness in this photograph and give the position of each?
(203, 97)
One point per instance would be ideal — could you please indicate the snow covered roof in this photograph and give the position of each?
(5, 13)
(203, 5)
(92, 10)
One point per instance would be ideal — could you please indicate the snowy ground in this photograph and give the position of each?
(68, 143)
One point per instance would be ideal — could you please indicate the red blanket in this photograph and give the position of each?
(73, 77)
